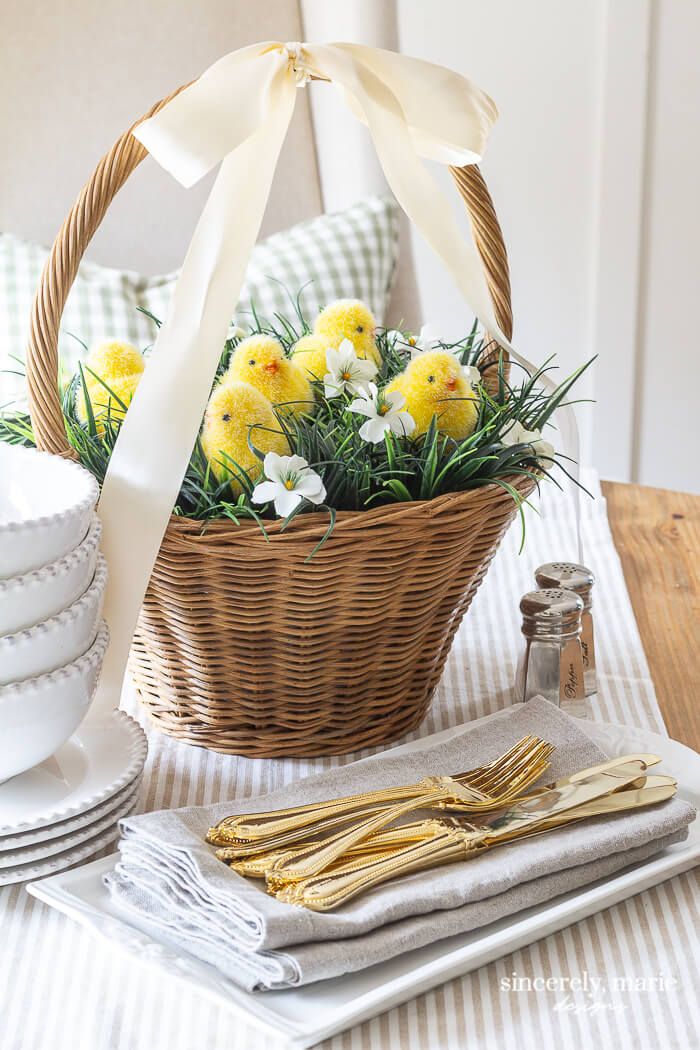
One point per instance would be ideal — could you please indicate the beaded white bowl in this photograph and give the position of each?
(55, 642)
(38, 715)
(46, 504)
(42, 593)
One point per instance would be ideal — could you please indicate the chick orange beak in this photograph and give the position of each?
(450, 382)
(271, 367)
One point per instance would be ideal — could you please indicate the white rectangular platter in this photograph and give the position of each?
(301, 1017)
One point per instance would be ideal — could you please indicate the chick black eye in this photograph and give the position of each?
(226, 417)
(431, 379)
(360, 328)
(251, 362)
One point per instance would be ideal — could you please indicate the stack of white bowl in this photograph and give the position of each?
(52, 637)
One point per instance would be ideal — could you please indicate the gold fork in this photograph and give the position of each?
(253, 831)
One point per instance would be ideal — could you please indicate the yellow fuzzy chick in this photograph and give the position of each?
(119, 366)
(260, 361)
(434, 384)
(232, 408)
(349, 319)
(310, 353)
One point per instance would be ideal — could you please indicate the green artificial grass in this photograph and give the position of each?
(357, 475)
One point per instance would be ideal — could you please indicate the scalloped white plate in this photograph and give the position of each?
(38, 715)
(66, 827)
(45, 859)
(58, 641)
(42, 593)
(60, 861)
(303, 1017)
(46, 504)
(27, 855)
(100, 759)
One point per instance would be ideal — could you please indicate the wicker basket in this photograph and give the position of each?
(244, 647)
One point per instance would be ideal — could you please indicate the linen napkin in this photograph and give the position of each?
(170, 882)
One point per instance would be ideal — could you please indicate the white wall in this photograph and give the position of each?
(594, 166)
(74, 74)
(667, 433)
(540, 61)
(339, 136)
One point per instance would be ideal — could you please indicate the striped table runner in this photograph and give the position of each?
(636, 964)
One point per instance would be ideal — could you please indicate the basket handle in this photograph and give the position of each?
(83, 221)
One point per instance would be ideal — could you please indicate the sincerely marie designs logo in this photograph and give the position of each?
(589, 993)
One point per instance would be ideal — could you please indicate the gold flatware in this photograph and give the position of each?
(416, 831)
(257, 866)
(438, 793)
(293, 866)
(388, 843)
(321, 893)
(454, 838)
(654, 789)
(645, 761)
(279, 827)
(255, 859)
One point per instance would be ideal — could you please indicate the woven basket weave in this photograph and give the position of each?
(244, 647)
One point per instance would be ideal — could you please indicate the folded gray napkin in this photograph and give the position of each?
(169, 880)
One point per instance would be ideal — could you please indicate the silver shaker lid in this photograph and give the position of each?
(567, 575)
(551, 614)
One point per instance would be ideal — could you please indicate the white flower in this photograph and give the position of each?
(428, 339)
(394, 336)
(516, 434)
(290, 479)
(383, 413)
(234, 332)
(346, 371)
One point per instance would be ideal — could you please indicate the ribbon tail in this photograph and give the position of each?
(429, 210)
(155, 442)
(411, 183)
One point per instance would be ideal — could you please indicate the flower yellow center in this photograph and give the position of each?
(411, 341)
(346, 375)
(383, 409)
(289, 484)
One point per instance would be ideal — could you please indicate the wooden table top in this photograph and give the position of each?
(657, 535)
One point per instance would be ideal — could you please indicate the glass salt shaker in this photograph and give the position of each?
(578, 578)
(552, 664)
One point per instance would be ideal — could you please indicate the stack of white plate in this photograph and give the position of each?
(66, 809)
(52, 643)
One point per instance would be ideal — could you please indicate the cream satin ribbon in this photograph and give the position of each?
(238, 113)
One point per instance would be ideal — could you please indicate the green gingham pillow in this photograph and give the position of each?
(349, 254)
(102, 302)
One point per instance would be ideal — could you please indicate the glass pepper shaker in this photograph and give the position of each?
(552, 664)
(578, 578)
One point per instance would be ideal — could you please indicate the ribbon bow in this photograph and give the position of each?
(295, 53)
(237, 113)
